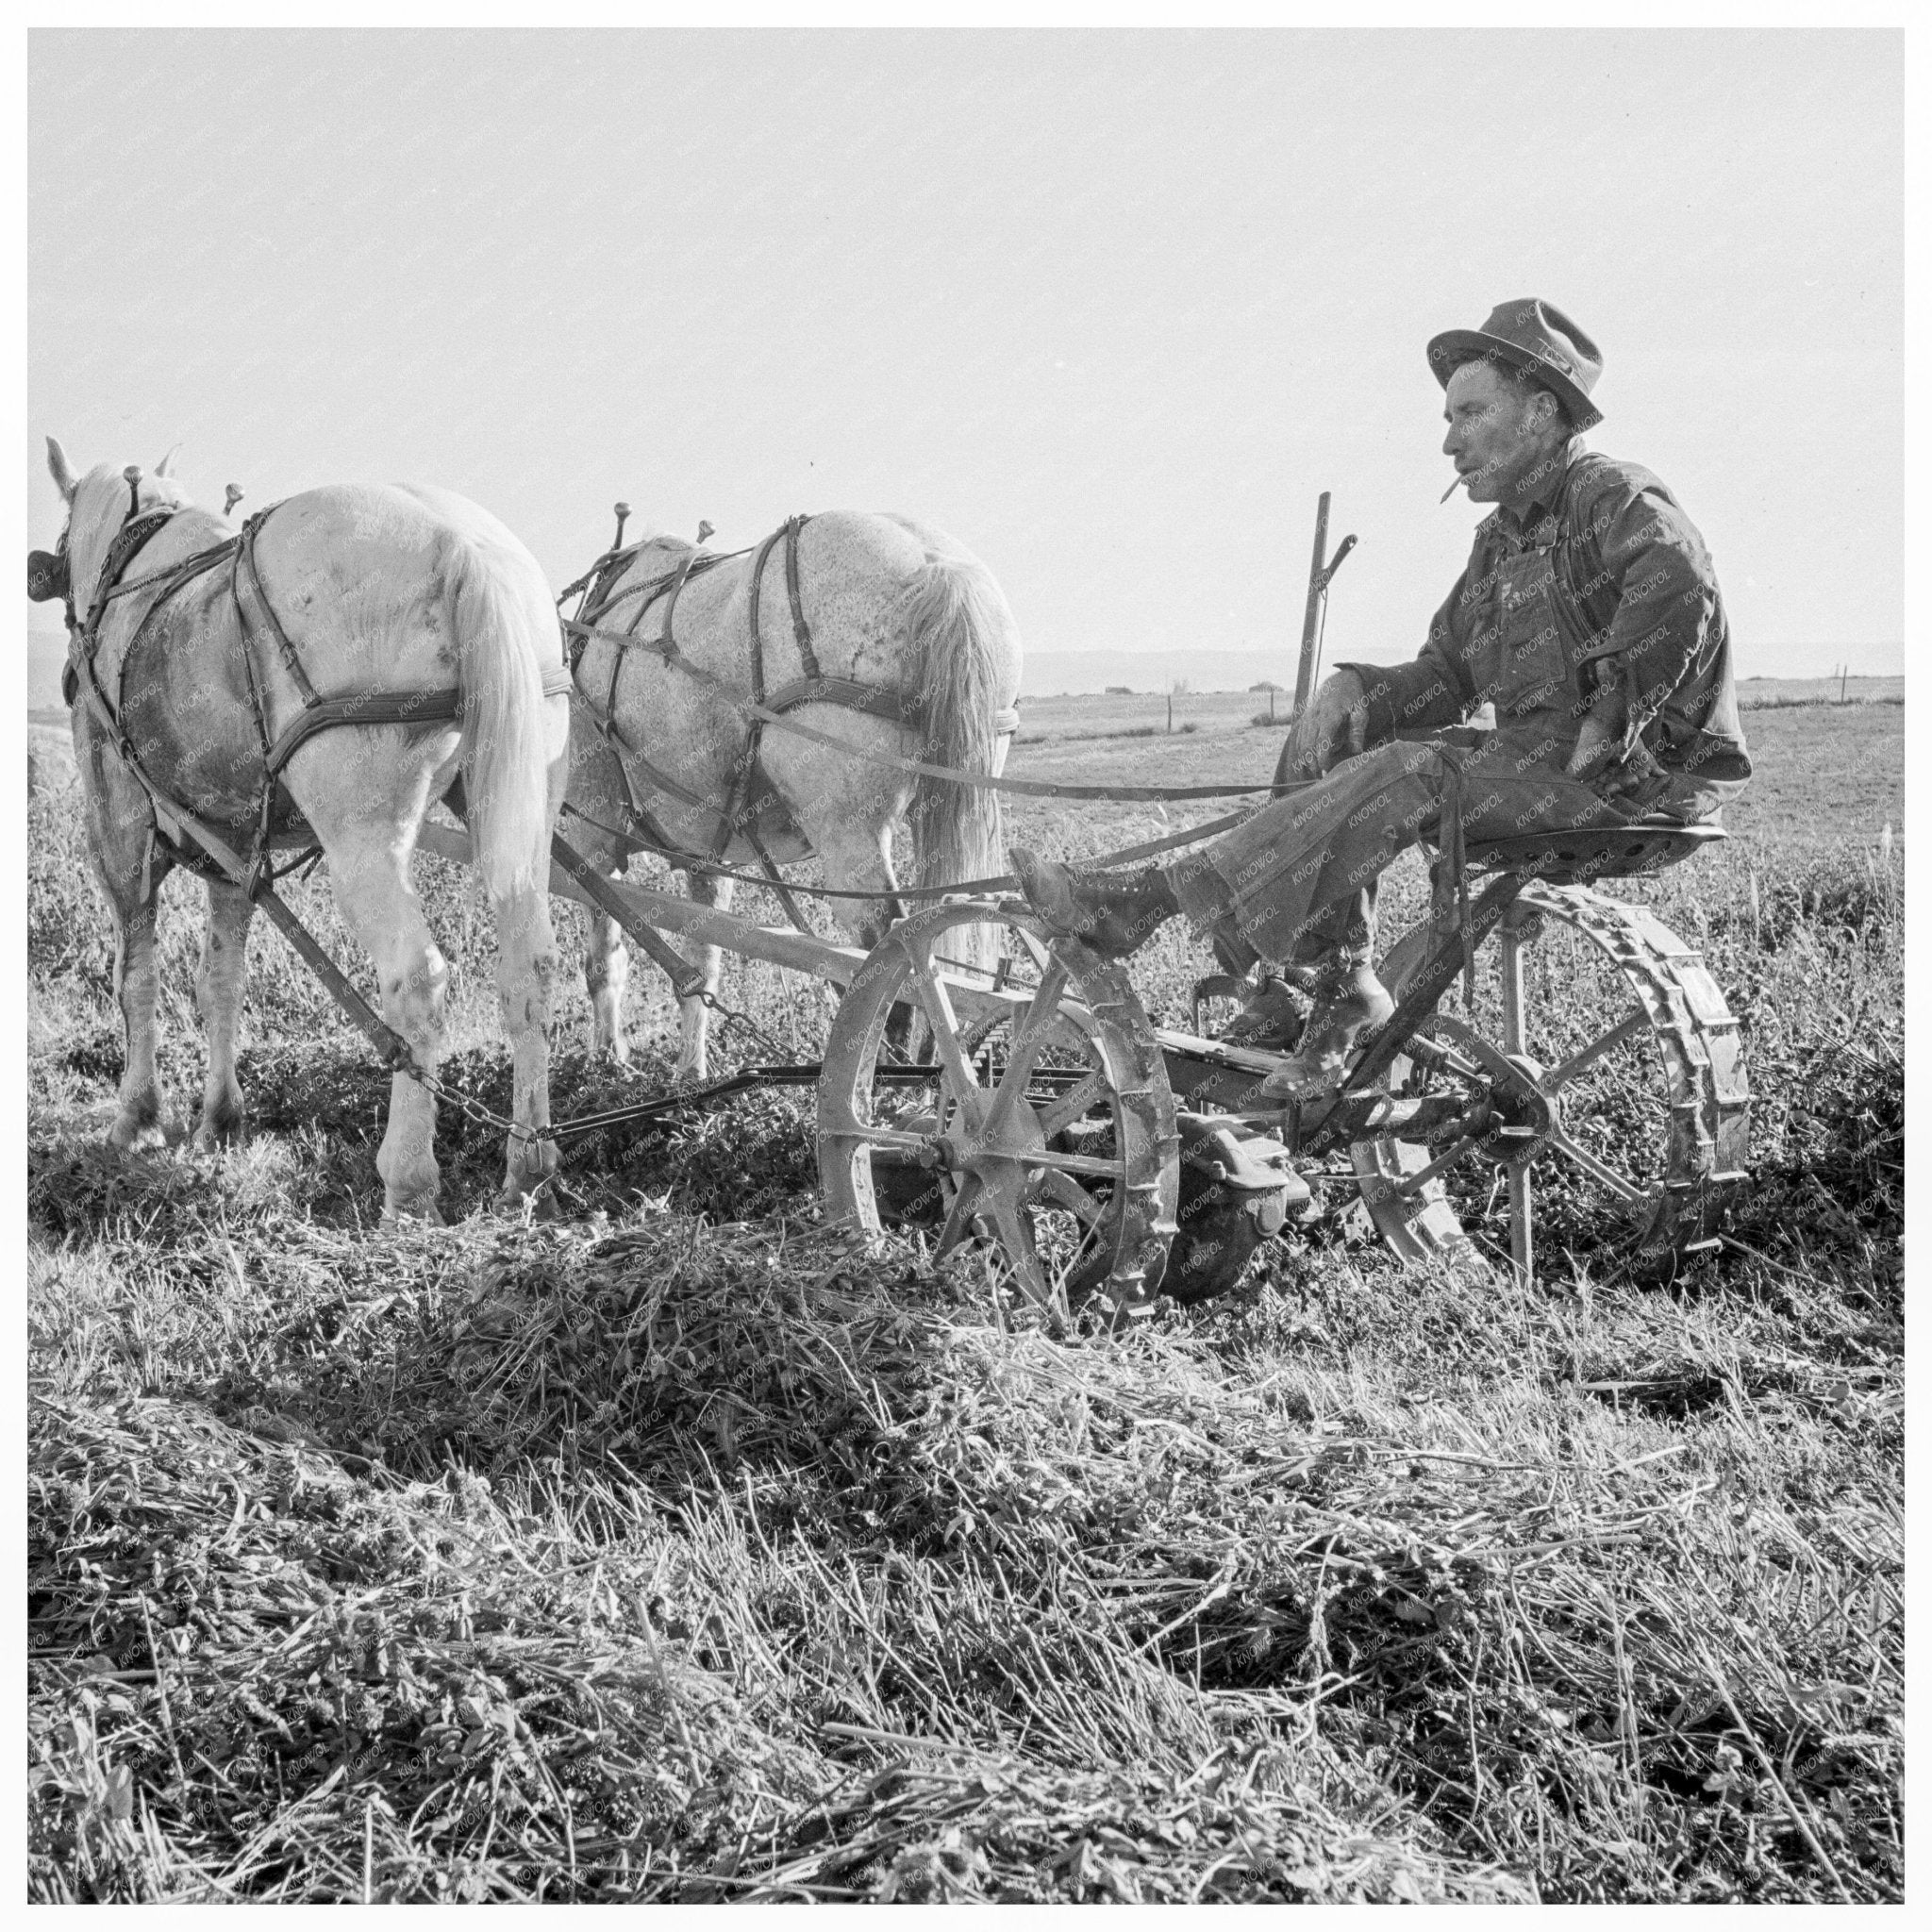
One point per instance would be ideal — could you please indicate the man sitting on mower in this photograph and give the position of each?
(1588, 615)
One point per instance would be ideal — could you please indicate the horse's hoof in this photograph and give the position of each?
(139, 1136)
(212, 1137)
(420, 1212)
(539, 1202)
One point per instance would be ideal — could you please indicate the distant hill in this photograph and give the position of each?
(1050, 672)
(1046, 672)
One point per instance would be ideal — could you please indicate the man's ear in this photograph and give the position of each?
(61, 470)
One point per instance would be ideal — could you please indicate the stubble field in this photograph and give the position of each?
(688, 1549)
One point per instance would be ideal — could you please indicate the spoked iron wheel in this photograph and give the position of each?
(1038, 1120)
(1622, 1110)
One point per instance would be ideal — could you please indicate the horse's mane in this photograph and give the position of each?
(100, 498)
(663, 543)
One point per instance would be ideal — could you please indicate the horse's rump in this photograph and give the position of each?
(893, 608)
(377, 592)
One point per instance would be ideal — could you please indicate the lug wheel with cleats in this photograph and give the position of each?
(1620, 1109)
(1037, 1118)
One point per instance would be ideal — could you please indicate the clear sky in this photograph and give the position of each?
(1109, 307)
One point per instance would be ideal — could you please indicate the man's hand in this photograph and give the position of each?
(1600, 742)
(1601, 756)
(1335, 726)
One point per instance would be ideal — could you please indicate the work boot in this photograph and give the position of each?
(1349, 1002)
(1274, 1013)
(1115, 916)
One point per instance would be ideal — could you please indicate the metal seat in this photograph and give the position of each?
(1595, 852)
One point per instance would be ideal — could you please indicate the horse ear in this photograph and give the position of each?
(61, 470)
(161, 468)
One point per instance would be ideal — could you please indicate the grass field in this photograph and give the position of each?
(687, 1549)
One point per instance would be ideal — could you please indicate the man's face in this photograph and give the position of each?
(1497, 436)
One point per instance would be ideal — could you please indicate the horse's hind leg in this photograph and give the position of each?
(381, 908)
(607, 971)
(526, 979)
(218, 989)
(139, 1113)
(693, 1016)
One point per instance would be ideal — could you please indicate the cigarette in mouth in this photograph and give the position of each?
(1451, 491)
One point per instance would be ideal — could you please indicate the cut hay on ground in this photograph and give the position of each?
(687, 1551)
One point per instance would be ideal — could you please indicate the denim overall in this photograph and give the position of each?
(1296, 881)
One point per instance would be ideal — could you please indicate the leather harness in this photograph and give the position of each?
(744, 802)
(317, 714)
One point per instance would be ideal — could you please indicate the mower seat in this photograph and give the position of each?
(1595, 852)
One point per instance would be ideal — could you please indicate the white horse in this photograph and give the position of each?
(361, 591)
(875, 602)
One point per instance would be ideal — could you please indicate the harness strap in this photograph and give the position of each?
(365, 708)
(747, 762)
(122, 548)
(83, 646)
(660, 780)
(249, 532)
(679, 578)
(260, 703)
(386, 708)
(801, 631)
(603, 574)
(600, 594)
(874, 699)
(779, 883)
(757, 643)
(665, 644)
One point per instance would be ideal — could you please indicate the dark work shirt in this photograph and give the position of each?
(1635, 597)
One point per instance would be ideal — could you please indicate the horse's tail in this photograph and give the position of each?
(506, 628)
(963, 640)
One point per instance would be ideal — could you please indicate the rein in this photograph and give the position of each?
(985, 781)
(683, 861)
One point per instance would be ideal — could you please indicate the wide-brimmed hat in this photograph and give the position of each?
(1531, 334)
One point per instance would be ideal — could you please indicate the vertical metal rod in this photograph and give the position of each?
(1312, 615)
(1522, 1232)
